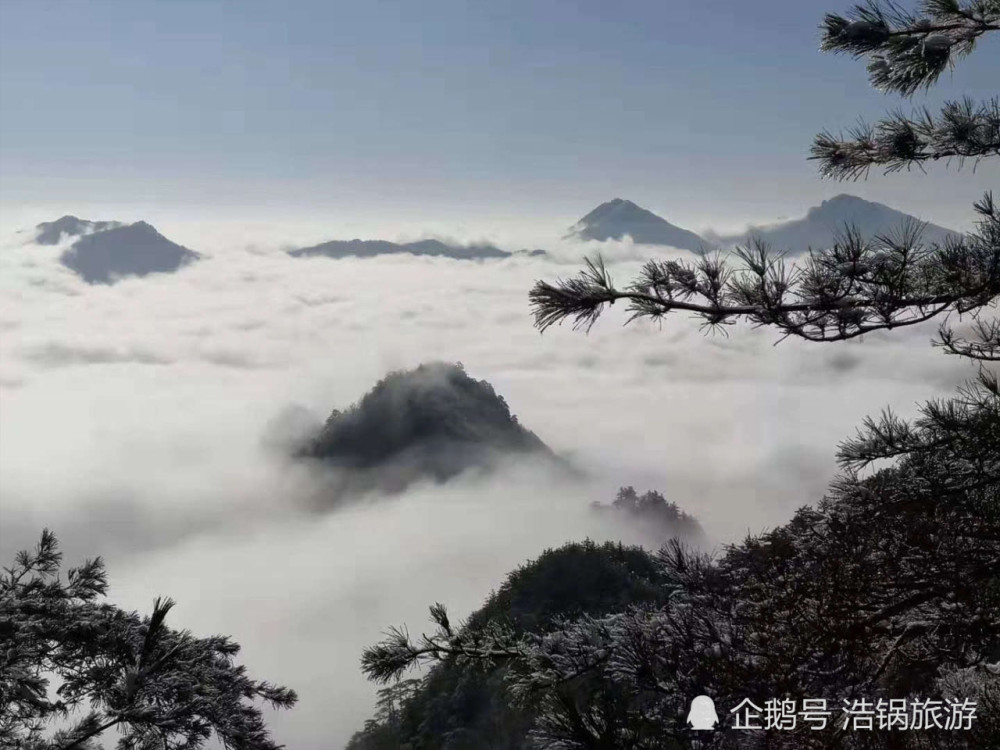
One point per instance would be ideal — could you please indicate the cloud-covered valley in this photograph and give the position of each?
(132, 418)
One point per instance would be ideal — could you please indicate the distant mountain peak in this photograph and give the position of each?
(620, 208)
(844, 202)
(618, 218)
(823, 224)
(105, 251)
(845, 199)
(624, 202)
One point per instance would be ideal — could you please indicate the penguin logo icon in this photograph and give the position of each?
(702, 715)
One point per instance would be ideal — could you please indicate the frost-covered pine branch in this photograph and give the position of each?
(983, 345)
(906, 50)
(116, 670)
(390, 658)
(963, 130)
(963, 428)
(857, 286)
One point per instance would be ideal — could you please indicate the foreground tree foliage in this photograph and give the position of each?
(889, 587)
(464, 702)
(857, 286)
(86, 669)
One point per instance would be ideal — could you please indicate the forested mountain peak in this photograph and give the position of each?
(433, 421)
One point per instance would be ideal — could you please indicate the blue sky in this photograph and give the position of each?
(700, 110)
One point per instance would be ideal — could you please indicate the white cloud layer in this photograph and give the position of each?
(131, 419)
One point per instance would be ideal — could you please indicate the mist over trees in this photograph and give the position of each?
(656, 518)
(888, 587)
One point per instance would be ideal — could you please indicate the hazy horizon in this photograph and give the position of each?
(206, 230)
(490, 120)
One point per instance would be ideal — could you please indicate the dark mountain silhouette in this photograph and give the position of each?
(432, 422)
(617, 218)
(51, 232)
(106, 255)
(820, 227)
(373, 248)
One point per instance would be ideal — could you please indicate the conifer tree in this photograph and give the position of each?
(91, 670)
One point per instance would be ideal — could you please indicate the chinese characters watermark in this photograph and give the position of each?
(860, 714)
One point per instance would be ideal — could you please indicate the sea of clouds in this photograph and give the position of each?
(132, 418)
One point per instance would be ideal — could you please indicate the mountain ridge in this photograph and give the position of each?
(822, 225)
(357, 248)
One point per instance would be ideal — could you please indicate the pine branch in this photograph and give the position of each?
(851, 289)
(387, 660)
(907, 52)
(86, 730)
(985, 347)
(957, 428)
(963, 130)
(581, 298)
